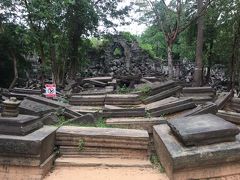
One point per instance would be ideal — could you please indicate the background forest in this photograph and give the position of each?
(62, 33)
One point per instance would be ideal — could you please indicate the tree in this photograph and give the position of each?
(197, 81)
(171, 20)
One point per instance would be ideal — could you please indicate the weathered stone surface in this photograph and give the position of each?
(124, 112)
(122, 99)
(39, 143)
(160, 103)
(159, 87)
(184, 163)
(223, 98)
(162, 95)
(234, 105)
(87, 100)
(21, 125)
(106, 106)
(102, 137)
(198, 89)
(206, 108)
(87, 118)
(35, 108)
(136, 123)
(102, 142)
(97, 83)
(229, 116)
(198, 99)
(26, 172)
(26, 91)
(50, 119)
(101, 79)
(171, 107)
(102, 152)
(203, 129)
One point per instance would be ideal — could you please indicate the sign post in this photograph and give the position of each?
(50, 90)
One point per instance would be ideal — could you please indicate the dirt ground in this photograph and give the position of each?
(105, 173)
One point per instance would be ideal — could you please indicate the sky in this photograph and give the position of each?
(134, 27)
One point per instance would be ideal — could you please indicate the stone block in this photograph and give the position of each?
(229, 116)
(136, 123)
(201, 162)
(223, 98)
(124, 112)
(203, 129)
(20, 125)
(38, 144)
(34, 108)
(162, 95)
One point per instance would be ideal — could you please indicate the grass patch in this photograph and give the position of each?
(101, 122)
(156, 163)
(123, 89)
(81, 144)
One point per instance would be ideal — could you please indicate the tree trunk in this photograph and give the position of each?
(15, 70)
(197, 81)
(235, 49)
(210, 57)
(170, 61)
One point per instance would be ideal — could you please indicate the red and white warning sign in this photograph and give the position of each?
(50, 90)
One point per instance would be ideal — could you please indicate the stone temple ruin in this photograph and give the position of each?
(194, 131)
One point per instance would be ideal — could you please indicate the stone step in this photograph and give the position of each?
(124, 112)
(26, 91)
(162, 95)
(206, 108)
(102, 137)
(198, 89)
(136, 123)
(66, 151)
(160, 87)
(108, 162)
(170, 105)
(229, 116)
(223, 98)
(172, 110)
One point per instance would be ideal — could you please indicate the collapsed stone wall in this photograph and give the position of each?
(123, 58)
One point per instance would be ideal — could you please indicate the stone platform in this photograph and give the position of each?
(203, 129)
(102, 142)
(196, 162)
(32, 149)
(136, 123)
(21, 125)
(27, 157)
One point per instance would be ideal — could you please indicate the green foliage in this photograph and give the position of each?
(117, 52)
(156, 163)
(148, 49)
(81, 145)
(101, 123)
(123, 89)
(128, 36)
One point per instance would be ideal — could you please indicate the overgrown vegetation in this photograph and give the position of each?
(81, 144)
(156, 163)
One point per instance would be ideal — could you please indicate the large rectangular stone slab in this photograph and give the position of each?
(124, 112)
(102, 137)
(203, 129)
(34, 108)
(26, 91)
(26, 172)
(39, 144)
(122, 99)
(136, 123)
(206, 108)
(201, 162)
(162, 95)
(223, 98)
(229, 116)
(20, 125)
